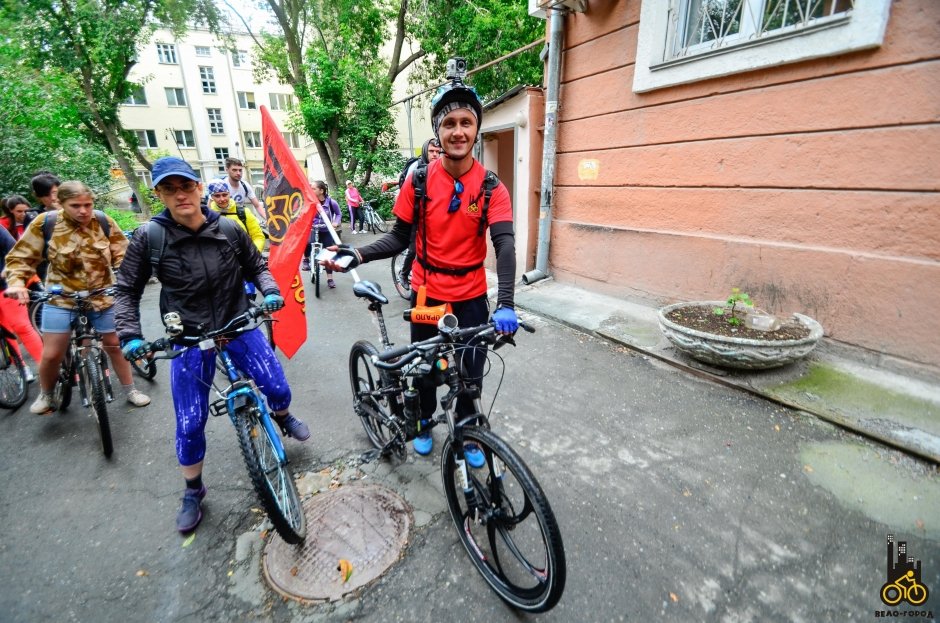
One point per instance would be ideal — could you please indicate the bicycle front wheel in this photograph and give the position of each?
(401, 280)
(35, 315)
(94, 387)
(316, 277)
(145, 368)
(62, 390)
(13, 382)
(272, 482)
(509, 529)
(370, 403)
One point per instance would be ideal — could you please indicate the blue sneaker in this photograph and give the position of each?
(474, 455)
(423, 444)
(190, 512)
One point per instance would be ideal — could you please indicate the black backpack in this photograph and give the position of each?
(404, 171)
(48, 224)
(156, 240)
(419, 180)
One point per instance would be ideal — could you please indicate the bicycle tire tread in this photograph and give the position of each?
(99, 402)
(17, 367)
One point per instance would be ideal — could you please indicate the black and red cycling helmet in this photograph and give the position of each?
(454, 92)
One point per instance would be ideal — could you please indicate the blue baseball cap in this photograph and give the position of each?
(170, 165)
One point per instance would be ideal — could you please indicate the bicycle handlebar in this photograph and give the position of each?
(47, 295)
(236, 323)
(408, 352)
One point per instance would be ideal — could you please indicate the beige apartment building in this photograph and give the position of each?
(200, 102)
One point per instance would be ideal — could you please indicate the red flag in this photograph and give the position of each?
(291, 206)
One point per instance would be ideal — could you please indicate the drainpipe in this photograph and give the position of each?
(555, 44)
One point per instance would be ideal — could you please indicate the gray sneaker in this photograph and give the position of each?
(190, 512)
(44, 404)
(292, 427)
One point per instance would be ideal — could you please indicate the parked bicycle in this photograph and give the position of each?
(248, 410)
(13, 379)
(85, 363)
(372, 220)
(401, 273)
(501, 514)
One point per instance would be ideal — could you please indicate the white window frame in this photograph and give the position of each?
(166, 54)
(133, 100)
(862, 28)
(281, 101)
(178, 92)
(246, 100)
(216, 125)
(189, 138)
(143, 139)
(221, 153)
(207, 80)
(291, 139)
(203, 50)
(144, 177)
(240, 59)
(252, 139)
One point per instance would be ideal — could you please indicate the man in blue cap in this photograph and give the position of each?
(202, 268)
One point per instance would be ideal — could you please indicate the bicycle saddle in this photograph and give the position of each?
(369, 290)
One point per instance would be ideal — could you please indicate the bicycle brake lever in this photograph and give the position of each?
(502, 340)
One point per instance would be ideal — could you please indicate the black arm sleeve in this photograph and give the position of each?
(504, 242)
(389, 245)
(131, 281)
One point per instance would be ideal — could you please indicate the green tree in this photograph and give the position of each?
(329, 51)
(41, 128)
(95, 42)
(480, 31)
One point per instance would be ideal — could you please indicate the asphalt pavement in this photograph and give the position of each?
(679, 499)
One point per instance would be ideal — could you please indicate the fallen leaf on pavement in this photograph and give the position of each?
(189, 540)
(142, 572)
(674, 597)
(345, 569)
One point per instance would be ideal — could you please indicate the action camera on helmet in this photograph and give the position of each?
(456, 68)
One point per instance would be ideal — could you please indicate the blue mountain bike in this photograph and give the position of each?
(248, 410)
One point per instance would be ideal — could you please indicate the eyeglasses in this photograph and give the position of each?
(187, 187)
(455, 200)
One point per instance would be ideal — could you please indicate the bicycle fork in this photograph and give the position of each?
(241, 394)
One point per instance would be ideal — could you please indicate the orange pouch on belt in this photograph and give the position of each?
(422, 313)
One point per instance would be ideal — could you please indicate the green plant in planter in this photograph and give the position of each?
(737, 298)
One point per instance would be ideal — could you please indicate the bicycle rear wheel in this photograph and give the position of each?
(512, 536)
(94, 386)
(399, 278)
(35, 315)
(13, 384)
(272, 482)
(370, 404)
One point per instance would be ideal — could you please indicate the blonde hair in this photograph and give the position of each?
(72, 189)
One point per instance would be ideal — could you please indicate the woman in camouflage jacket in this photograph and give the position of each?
(81, 256)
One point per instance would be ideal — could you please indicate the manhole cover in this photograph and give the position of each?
(368, 525)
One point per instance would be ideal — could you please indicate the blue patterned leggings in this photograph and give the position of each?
(191, 377)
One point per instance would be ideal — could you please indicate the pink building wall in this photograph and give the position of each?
(813, 186)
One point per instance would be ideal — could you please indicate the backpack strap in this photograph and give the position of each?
(48, 225)
(156, 240)
(240, 212)
(490, 181)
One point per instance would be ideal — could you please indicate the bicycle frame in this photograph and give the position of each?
(85, 341)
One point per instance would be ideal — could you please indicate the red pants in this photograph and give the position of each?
(15, 319)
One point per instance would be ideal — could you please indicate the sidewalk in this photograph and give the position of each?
(886, 406)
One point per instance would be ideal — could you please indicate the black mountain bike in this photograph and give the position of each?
(501, 514)
(85, 363)
(249, 412)
(13, 383)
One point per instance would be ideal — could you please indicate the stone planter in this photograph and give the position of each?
(736, 352)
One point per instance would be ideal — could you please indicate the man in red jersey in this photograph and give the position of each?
(450, 246)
